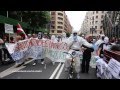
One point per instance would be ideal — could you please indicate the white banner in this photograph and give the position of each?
(108, 71)
(38, 49)
(8, 28)
(114, 68)
(10, 47)
(101, 67)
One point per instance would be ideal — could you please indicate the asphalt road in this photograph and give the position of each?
(47, 71)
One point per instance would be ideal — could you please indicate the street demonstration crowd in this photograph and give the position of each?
(79, 44)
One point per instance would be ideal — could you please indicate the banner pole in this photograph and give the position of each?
(9, 37)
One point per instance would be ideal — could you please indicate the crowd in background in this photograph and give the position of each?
(4, 54)
(102, 40)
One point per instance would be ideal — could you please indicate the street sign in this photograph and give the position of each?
(8, 28)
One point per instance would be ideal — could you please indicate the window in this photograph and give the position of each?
(93, 18)
(52, 31)
(102, 22)
(87, 18)
(52, 17)
(53, 22)
(60, 27)
(95, 27)
(93, 12)
(60, 18)
(101, 27)
(101, 16)
(52, 27)
(52, 13)
(96, 11)
(102, 11)
(60, 22)
(96, 22)
(95, 31)
(92, 22)
(96, 16)
(60, 14)
(59, 31)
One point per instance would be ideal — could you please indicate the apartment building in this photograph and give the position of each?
(59, 23)
(93, 23)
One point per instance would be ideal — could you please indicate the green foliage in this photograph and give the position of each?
(35, 19)
(68, 34)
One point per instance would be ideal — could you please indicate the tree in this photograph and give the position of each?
(68, 34)
(36, 19)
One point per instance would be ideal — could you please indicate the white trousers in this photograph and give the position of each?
(76, 60)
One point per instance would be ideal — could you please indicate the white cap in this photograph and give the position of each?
(106, 39)
(82, 35)
(74, 32)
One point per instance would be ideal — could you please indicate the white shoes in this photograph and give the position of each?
(42, 62)
(34, 64)
(78, 76)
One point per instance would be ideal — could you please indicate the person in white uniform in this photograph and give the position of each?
(74, 43)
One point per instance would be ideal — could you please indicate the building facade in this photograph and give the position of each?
(59, 23)
(93, 23)
(111, 24)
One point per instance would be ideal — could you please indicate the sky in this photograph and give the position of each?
(76, 18)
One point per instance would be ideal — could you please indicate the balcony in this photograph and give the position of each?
(60, 14)
(60, 18)
(60, 23)
(60, 27)
(59, 31)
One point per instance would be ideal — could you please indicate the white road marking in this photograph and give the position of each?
(55, 71)
(12, 69)
(60, 71)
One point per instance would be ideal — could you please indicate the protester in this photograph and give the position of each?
(103, 46)
(6, 51)
(64, 37)
(34, 36)
(112, 41)
(97, 44)
(83, 36)
(29, 36)
(59, 39)
(94, 41)
(86, 57)
(1, 42)
(74, 43)
(118, 41)
(19, 62)
(18, 38)
(12, 40)
(53, 38)
(42, 58)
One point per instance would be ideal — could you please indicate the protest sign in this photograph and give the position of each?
(101, 67)
(114, 68)
(38, 49)
(8, 28)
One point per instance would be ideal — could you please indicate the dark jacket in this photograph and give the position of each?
(87, 52)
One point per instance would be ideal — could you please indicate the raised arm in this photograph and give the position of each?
(84, 42)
